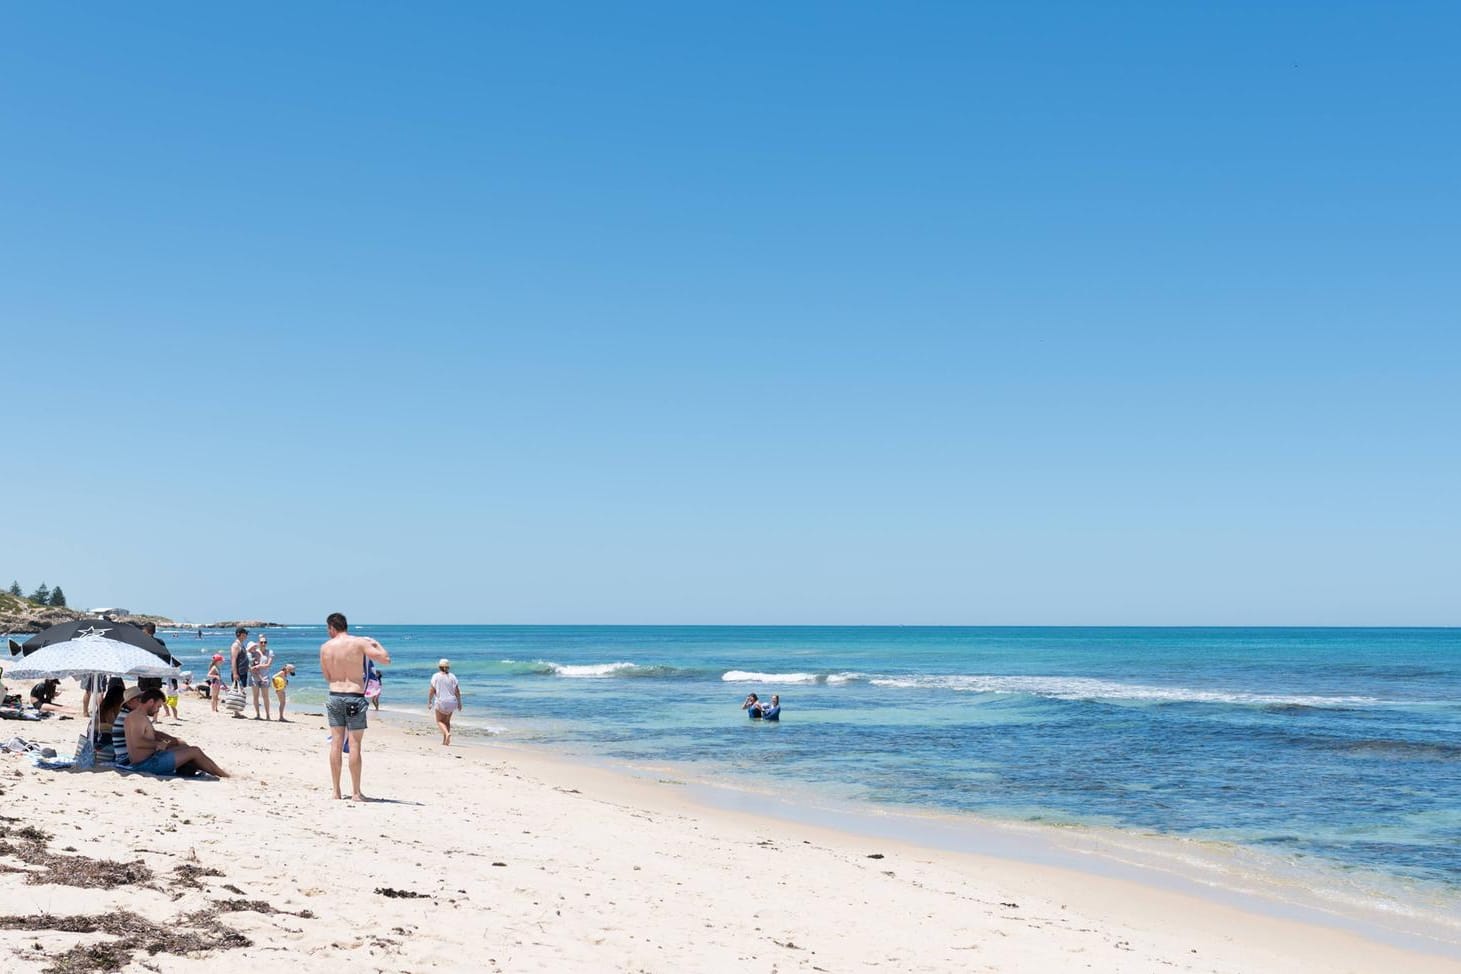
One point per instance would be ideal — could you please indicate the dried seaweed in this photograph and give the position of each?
(88, 873)
(186, 935)
(401, 894)
(82, 871)
(188, 875)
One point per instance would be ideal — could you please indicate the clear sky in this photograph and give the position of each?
(943, 313)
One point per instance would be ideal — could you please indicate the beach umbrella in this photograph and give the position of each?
(115, 631)
(88, 655)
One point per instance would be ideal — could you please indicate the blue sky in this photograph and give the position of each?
(784, 313)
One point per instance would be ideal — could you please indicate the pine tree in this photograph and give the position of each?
(41, 596)
(58, 597)
(15, 589)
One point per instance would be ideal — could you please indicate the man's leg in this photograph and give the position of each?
(194, 757)
(356, 736)
(337, 744)
(86, 701)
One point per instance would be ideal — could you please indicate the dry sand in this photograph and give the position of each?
(483, 859)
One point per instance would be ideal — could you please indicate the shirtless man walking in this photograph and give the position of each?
(342, 661)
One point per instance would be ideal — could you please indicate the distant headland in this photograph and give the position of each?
(19, 614)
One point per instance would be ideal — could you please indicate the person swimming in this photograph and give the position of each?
(752, 706)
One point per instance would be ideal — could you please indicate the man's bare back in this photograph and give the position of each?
(342, 661)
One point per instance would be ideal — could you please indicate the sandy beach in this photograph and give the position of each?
(485, 858)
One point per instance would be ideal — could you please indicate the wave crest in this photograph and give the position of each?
(747, 676)
(1077, 688)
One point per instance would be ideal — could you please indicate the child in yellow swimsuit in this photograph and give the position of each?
(279, 682)
(170, 701)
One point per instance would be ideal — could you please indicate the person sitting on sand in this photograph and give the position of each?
(280, 682)
(142, 747)
(106, 715)
(772, 712)
(43, 695)
(444, 698)
(752, 706)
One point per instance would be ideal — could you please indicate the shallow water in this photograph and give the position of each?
(1336, 747)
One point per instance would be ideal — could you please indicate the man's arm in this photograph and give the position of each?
(377, 652)
(141, 743)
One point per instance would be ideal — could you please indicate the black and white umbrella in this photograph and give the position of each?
(89, 656)
(121, 632)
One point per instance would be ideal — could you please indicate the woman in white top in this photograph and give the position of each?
(444, 698)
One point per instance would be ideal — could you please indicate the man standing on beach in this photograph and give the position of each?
(342, 662)
(238, 655)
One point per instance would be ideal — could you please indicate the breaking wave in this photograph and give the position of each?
(745, 676)
(1085, 688)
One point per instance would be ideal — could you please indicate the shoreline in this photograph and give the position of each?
(492, 857)
(1153, 860)
(1216, 870)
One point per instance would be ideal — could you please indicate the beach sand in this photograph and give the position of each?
(478, 858)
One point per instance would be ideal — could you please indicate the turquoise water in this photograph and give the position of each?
(1338, 746)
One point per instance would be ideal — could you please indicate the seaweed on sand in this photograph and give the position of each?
(188, 875)
(30, 847)
(187, 935)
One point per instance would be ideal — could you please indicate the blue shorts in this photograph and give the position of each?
(161, 762)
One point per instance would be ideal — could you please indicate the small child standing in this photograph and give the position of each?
(281, 684)
(170, 701)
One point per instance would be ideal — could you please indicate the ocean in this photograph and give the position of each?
(1331, 750)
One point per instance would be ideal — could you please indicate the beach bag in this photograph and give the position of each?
(85, 752)
(233, 699)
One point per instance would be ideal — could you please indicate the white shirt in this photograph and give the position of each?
(447, 691)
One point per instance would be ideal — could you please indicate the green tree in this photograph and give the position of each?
(58, 597)
(15, 589)
(41, 596)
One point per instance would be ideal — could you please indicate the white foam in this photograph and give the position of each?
(590, 670)
(845, 677)
(742, 676)
(1085, 688)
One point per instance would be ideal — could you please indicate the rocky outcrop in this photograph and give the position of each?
(247, 624)
(21, 615)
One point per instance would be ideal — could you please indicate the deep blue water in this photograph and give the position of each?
(1343, 746)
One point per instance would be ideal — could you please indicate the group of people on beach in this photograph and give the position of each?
(249, 666)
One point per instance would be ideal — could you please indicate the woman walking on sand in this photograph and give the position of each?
(444, 698)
